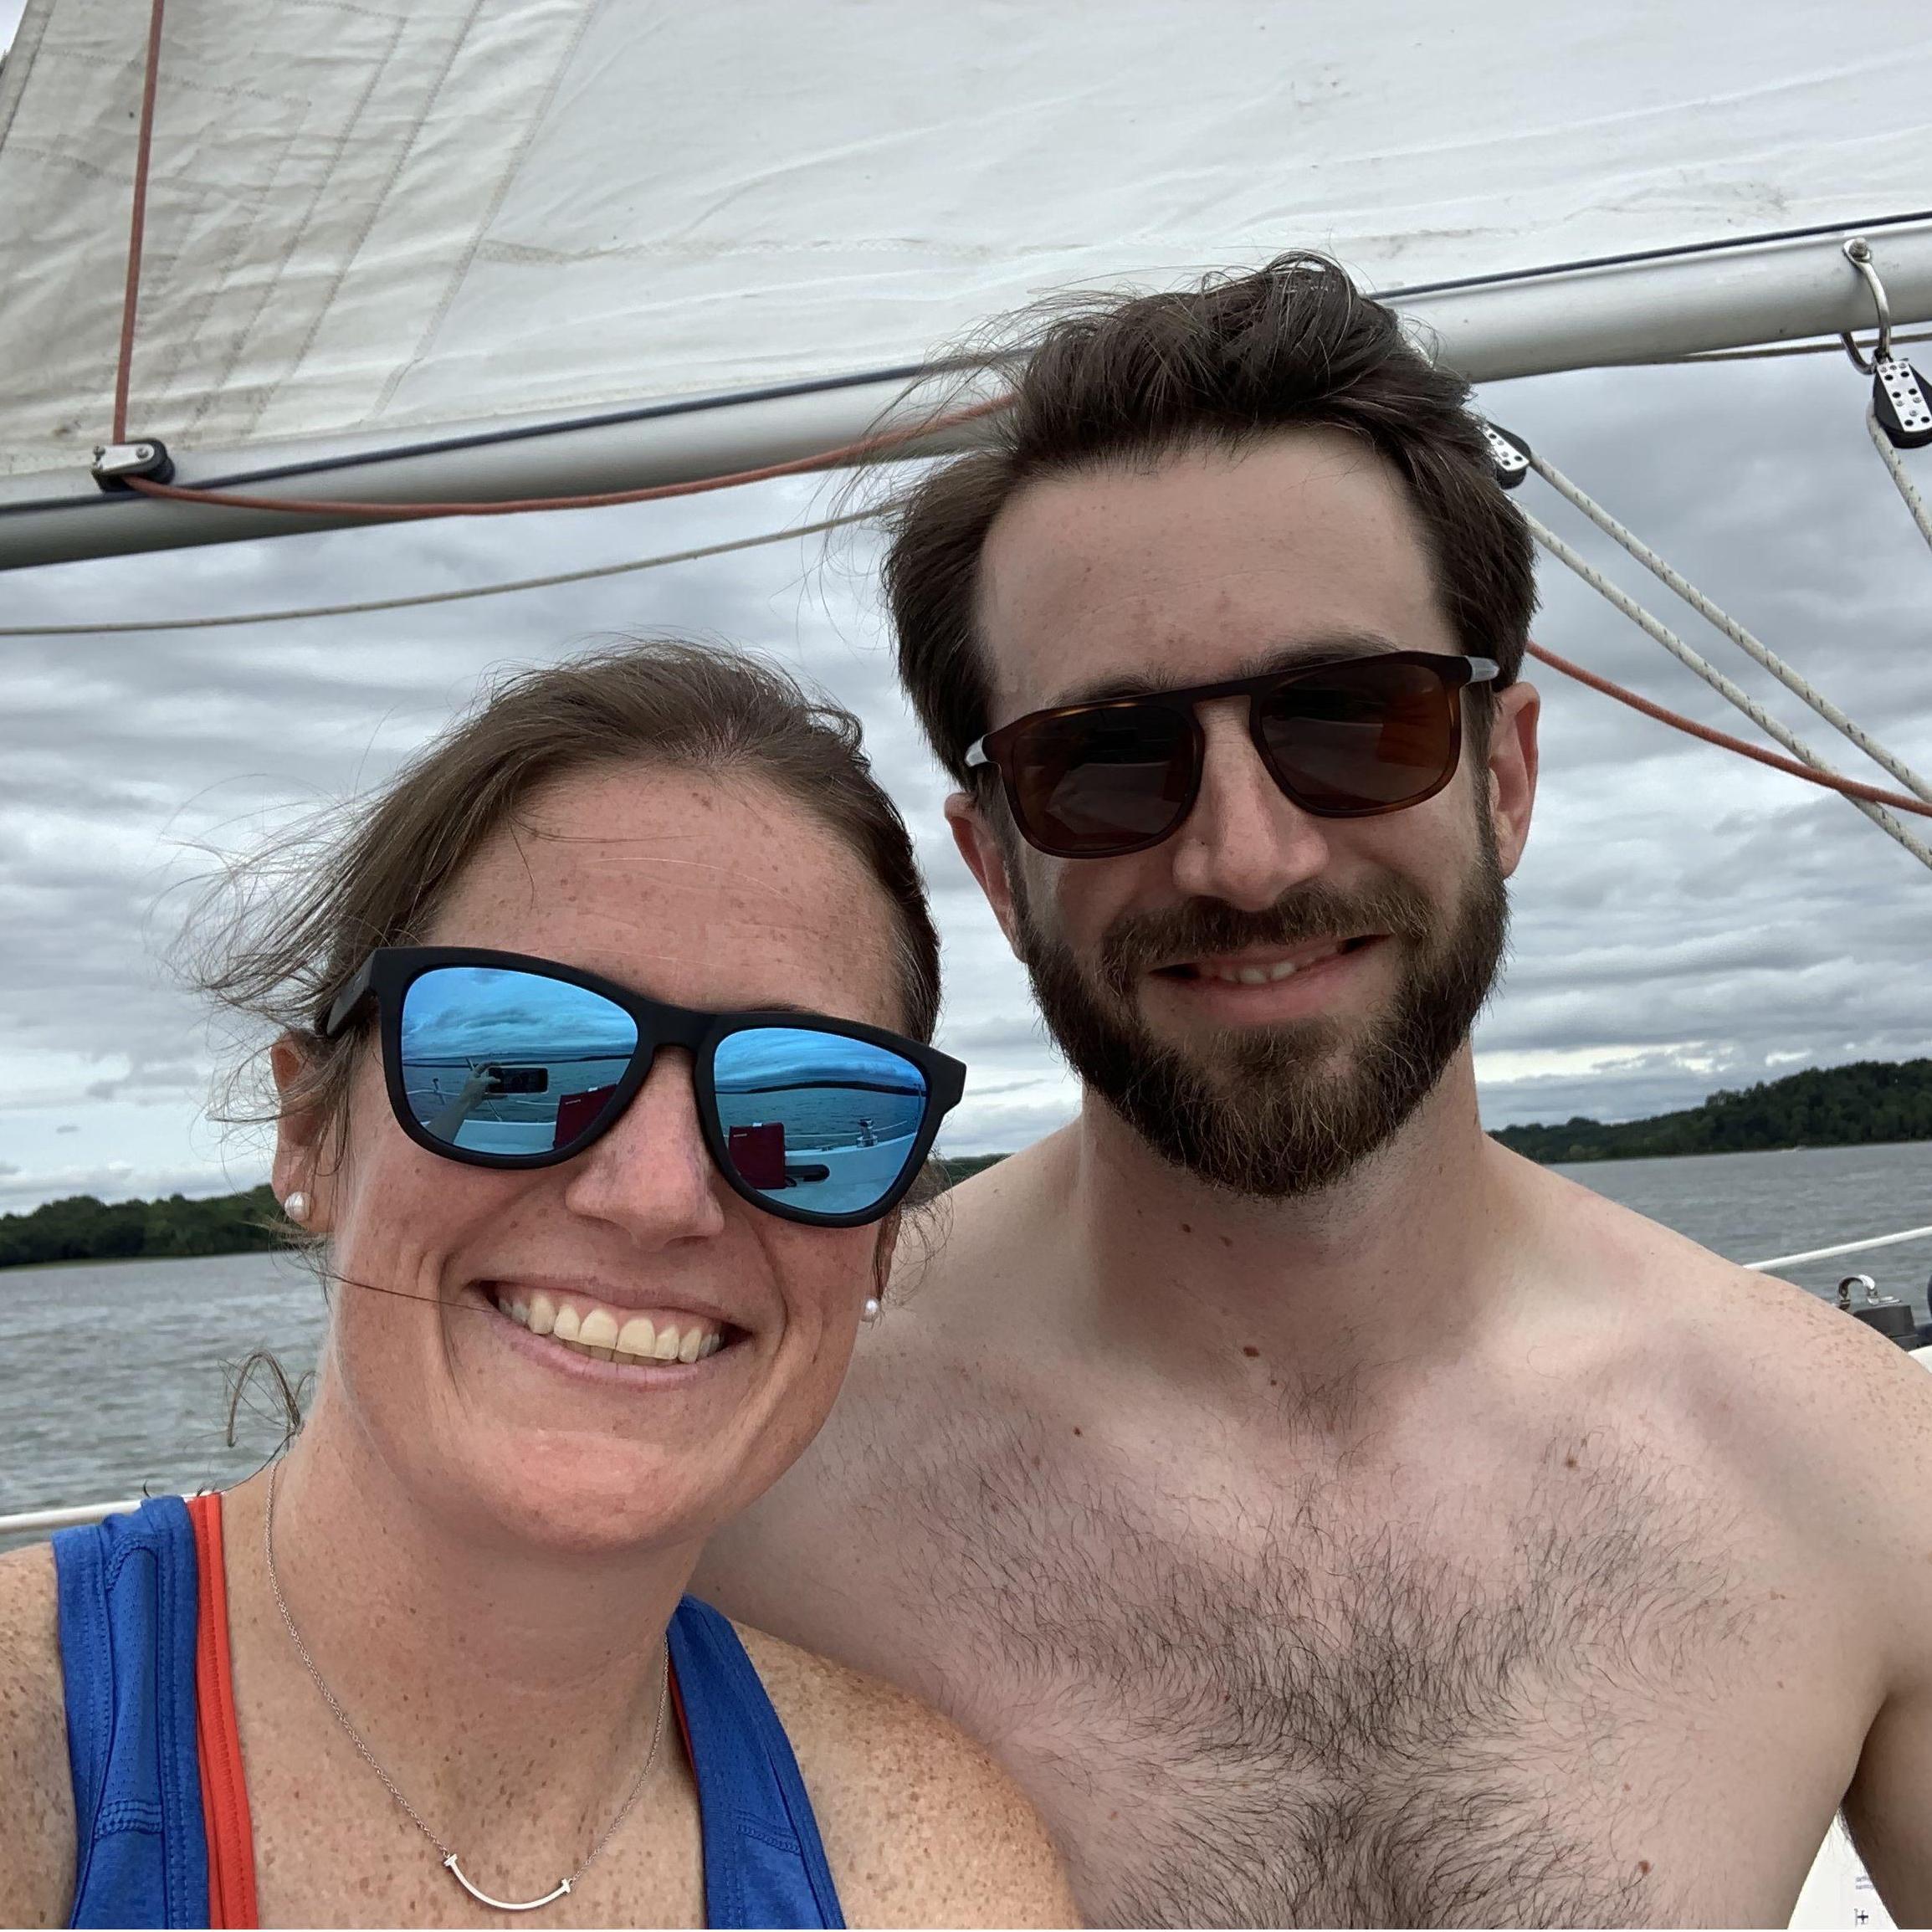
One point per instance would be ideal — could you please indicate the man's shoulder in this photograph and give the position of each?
(36, 1791)
(885, 1773)
(1807, 1403)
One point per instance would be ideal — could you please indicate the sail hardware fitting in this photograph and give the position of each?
(1509, 453)
(115, 463)
(1857, 251)
(1901, 403)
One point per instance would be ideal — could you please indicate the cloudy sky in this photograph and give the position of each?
(1683, 919)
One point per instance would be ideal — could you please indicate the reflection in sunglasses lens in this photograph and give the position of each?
(1096, 780)
(495, 1061)
(1372, 734)
(815, 1121)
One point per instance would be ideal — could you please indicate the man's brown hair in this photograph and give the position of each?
(1293, 345)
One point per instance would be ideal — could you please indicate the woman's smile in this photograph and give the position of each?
(574, 1330)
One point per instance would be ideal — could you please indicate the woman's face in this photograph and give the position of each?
(707, 894)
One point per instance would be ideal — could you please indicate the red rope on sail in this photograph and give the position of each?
(130, 300)
(1872, 794)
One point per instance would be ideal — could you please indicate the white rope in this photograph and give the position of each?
(1653, 627)
(530, 583)
(1793, 681)
(1900, 475)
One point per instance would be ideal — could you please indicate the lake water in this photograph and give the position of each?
(113, 1378)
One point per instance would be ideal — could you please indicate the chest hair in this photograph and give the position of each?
(1283, 1708)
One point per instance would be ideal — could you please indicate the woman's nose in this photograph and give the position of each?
(1245, 842)
(652, 1174)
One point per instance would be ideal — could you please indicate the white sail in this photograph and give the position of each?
(381, 225)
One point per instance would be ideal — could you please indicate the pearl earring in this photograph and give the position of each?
(870, 1311)
(296, 1207)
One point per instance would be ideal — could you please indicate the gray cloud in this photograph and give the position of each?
(1682, 919)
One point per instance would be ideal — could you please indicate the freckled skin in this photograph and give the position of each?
(481, 1551)
(1450, 1547)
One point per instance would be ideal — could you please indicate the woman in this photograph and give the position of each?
(576, 1033)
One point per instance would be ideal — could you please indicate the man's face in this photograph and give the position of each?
(1267, 996)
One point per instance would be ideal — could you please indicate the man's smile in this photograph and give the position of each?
(1261, 984)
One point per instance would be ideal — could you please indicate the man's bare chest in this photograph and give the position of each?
(1309, 1699)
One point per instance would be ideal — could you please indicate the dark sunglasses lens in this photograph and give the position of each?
(1362, 737)
(496, 1061)
(1104, 781)
(816, 1121)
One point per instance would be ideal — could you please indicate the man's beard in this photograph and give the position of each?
(1281, 1110)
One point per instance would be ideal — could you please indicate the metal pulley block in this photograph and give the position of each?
(113, 463)
(1901, 401)
(1510, 455)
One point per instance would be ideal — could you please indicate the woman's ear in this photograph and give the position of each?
(298, 1170)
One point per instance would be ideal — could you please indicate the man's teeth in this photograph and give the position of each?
(1258, 976)
(609, 1333)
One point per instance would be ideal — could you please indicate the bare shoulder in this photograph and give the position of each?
(920, 1827)
(1803, 1403)
(36, 1788)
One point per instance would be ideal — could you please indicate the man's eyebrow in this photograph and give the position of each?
(1320, 650)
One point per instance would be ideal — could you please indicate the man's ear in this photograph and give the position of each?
(1512, 769)
(984, 854)
(299, 1167)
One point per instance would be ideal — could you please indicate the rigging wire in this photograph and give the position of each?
(1792, 680)
(1655, 628)
(121, 628)
(1764, 353)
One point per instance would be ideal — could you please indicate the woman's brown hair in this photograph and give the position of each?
(654, 703)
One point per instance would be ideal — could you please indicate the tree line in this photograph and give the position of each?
(84, 1228)
(1864, 1103)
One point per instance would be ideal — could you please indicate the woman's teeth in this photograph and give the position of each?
(607, 1333)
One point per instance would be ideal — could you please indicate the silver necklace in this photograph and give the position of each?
(563, 1886)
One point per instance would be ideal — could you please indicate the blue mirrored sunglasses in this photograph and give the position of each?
(501, 1060)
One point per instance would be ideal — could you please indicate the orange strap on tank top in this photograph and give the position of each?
(231, 1837)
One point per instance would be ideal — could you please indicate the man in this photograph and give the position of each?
(1330, 1517)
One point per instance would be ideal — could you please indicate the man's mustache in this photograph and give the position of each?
(1143, 942)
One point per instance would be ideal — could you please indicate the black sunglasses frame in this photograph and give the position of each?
(997, 749)
(388, 974)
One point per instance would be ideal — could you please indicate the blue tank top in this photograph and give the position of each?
(129, 1601)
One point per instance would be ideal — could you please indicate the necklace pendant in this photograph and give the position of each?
(550, 1897)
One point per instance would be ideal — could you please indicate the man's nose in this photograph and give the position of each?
(652, 1174)
(1245, 840)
